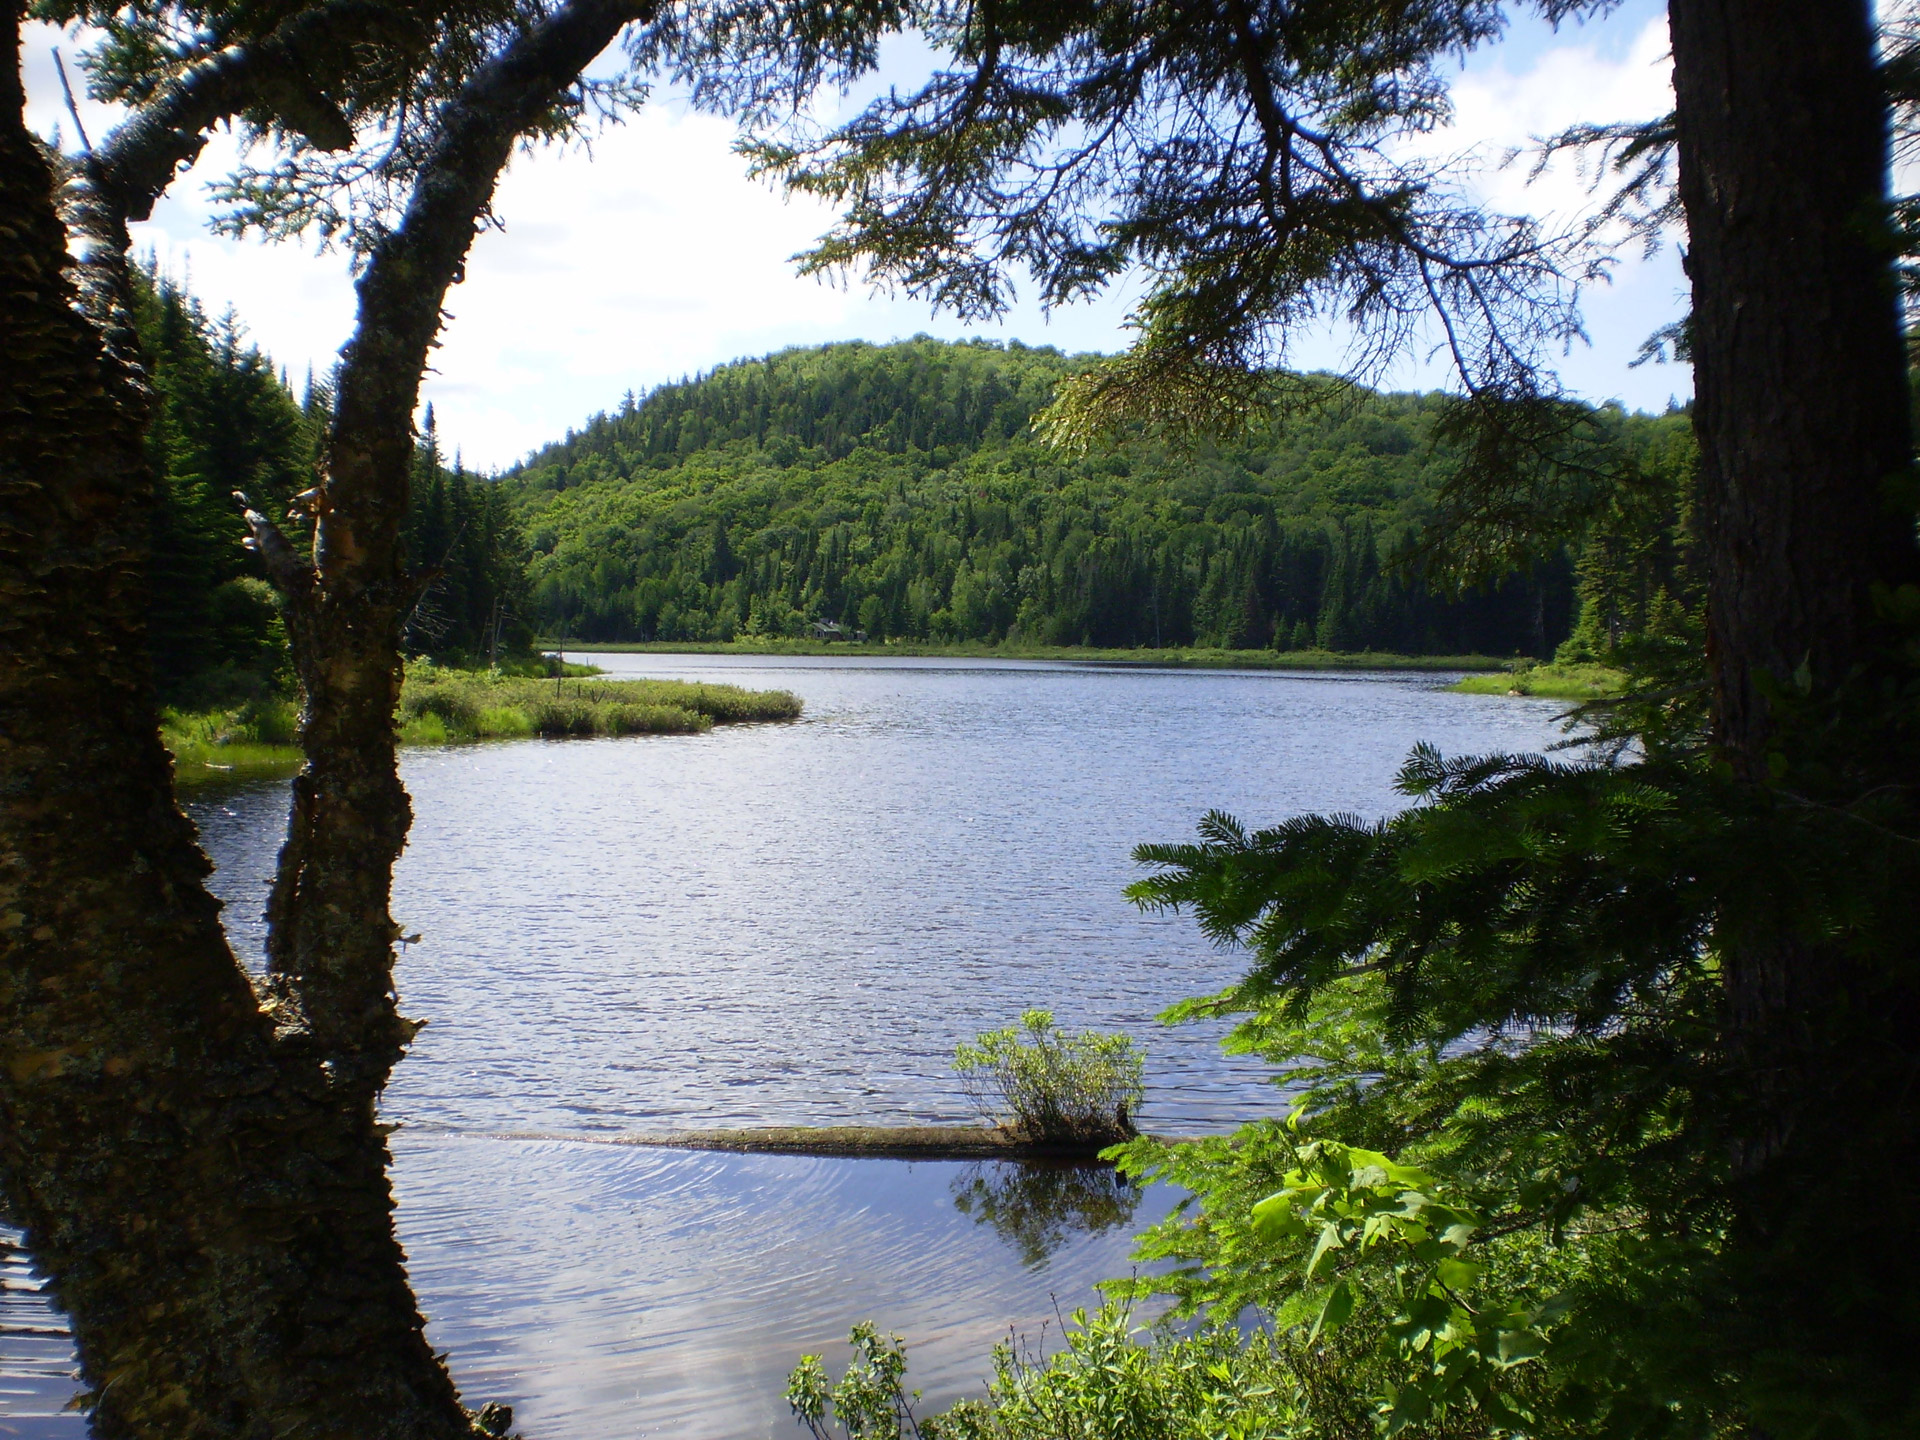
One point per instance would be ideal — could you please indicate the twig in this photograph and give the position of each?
(72, 109)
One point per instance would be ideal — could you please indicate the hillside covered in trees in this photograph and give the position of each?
(897, 490)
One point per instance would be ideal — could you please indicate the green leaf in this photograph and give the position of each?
(1274, 1218)
(1334, 1313)
(1458, 1274)
(1329, 1241)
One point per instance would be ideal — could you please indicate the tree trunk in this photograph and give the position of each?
(1808, 526)
(1800, 375)
(331, 933)
(219, 1232)
(202, 1175)
(1802, 411)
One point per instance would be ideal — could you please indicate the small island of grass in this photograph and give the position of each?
(440, 705)
(1583, 681)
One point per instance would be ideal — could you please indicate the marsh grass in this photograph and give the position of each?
(249, 741)
(1549, 682)
(440, 706)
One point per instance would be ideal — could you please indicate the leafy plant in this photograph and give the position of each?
(869, 1402)
(1052, 1086)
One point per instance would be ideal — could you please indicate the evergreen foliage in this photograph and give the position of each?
(224, 421)
(899, 490)
(461, 531)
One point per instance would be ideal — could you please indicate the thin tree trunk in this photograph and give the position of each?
(331, 933)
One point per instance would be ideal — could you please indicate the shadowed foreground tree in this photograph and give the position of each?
(1704, 942)
(198, 1166)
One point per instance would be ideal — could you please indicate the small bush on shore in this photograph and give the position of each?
(1051, 1086)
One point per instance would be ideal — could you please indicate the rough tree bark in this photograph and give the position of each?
(209, 1221)
(1807, 510)
(1799, 370)
(201, 1174)
(331, 933)
(1802, 413)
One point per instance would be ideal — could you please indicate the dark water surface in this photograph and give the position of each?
(795, 924)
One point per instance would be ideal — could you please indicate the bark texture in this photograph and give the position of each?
(331, 931)
(199, 1169)
(1807, 508)
(1802, 413)
(219, 1233)
(1799, 370)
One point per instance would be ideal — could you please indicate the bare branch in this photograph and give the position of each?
(291, 575)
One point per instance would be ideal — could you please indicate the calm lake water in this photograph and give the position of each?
(795, 924)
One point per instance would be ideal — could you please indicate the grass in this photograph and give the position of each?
(439, 706)
(1549, 682)
(1196, 657)
(250, 741)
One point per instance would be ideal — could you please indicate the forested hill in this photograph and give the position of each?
(896, 489)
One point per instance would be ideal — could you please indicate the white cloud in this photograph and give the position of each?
(657, 256)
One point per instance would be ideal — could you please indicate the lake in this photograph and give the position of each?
(795, 924)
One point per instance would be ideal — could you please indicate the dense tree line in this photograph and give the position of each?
(462, 533)
(897, 489)
(222, 421)
(225, 421)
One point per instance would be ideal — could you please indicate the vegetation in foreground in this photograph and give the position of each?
(438, 705)
(1105, 1385)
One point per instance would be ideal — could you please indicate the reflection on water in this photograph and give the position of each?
(614, 1290)
(1038, 1207)
(795, 924)
(36, 1359)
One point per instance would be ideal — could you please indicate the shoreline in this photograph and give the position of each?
(1186, 658)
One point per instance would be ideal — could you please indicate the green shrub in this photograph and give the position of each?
(652, 720)
(505, 722)
(1051, 1086)
(868, 1403)
(1108, 1384)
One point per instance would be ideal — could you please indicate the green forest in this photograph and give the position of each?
(224, 420)
(894, 490)
(898, 490)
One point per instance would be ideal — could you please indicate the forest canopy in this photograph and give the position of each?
(899, 490)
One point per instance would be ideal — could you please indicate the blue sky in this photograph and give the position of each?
(654, 256)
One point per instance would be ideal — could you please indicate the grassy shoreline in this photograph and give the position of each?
(1547, 682)
(1176, 657)
(439, 707)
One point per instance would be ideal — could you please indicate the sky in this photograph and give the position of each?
(651, 255)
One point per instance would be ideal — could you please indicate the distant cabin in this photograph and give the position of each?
(829, 631)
